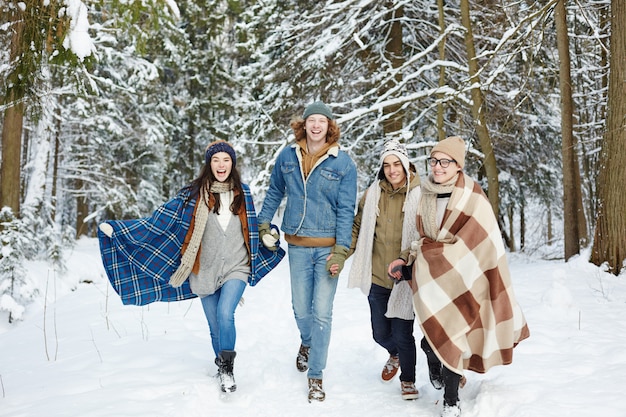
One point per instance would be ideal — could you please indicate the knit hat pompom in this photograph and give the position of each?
(317, 107)
(393, 147)
(453, 146)
(219, 146)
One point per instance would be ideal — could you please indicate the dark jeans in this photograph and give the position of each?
(395, 335)
(450, 379)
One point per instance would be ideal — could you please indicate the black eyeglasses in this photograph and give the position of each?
(445, 163)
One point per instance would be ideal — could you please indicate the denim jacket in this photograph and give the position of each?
(320, 206)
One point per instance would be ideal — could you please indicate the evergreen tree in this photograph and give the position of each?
(15, 289)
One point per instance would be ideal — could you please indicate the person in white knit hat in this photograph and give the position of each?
(463, 296)
(384, 223)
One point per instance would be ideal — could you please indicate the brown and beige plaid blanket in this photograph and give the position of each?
(463, 296)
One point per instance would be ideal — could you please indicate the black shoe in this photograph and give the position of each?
(225, 364)
(435, 375)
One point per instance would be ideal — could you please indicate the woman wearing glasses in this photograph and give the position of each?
(463, 296)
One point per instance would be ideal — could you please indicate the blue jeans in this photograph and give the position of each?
(395, 335)
(312, 295)
(219, 309)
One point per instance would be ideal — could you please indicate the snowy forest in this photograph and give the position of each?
(107, 106)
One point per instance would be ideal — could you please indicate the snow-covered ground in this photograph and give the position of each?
(80, 352)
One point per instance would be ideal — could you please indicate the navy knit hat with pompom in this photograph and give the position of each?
(219, 146)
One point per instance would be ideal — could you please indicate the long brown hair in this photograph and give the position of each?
(206, 179)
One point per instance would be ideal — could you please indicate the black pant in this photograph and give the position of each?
(395, 335)
(450, 379)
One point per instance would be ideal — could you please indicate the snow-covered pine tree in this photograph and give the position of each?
(16, 291)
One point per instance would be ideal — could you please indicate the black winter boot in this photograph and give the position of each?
(225, 362)
(451, 381)
(435, 369)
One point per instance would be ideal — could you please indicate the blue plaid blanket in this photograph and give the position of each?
(142, 254)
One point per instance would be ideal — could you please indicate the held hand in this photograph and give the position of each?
(268, 236)
(336, 260)
(399, 271)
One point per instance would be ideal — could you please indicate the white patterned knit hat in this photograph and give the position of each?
(393, 147)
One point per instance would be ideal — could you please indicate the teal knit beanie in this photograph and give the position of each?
(317, 108)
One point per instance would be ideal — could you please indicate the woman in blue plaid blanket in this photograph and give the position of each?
(210, 233)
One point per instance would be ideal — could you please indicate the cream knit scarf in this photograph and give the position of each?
(401, 301)
(428, 203)
(361, 270)
(202, 214)
(221, 187)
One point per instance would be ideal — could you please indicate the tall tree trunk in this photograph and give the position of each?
(37, 157)
(478, 113)
(511, 216)
(604, 23)
(549, 232)
(522, 227)
(393, 51)
(10, 185)
(441, 130)
(82, 209)
(610, 237)
(56, 153)
(37, 29)
(574, 231)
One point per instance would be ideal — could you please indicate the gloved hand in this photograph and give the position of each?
(337, 257)
(400, 271)
(268, 236)
(106, 229)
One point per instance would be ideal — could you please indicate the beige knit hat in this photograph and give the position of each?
(453, 146)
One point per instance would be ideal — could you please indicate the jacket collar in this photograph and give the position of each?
(332, 151)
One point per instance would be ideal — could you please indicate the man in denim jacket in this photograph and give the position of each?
(319, 181)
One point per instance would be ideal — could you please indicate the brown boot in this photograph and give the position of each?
(302, 360)
(391, 368)
(409, 392)
(316, 392)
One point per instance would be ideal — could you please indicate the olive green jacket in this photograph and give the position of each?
(388, 229)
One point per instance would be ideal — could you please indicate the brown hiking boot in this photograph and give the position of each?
(316, 392)
(302, 360)
(409, 392)
(391, 368)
